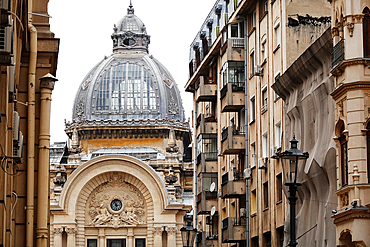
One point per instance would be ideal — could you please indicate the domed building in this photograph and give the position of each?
(125, 177)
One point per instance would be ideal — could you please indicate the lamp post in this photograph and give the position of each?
(293, 160)
(188, 232)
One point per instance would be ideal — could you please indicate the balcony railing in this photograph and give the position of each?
(225, 132)
(236, 87)
(233, 230)
(237, 42)
(337, 53)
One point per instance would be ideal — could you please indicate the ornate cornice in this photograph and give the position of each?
(351, 214)
(339, 69)
(348, 86)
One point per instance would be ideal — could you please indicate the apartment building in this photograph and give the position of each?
(242, 48)
(28, 63)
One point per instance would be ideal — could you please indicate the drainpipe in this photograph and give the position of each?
(42, 233)
(246, 133)
(195, 218)
(31, 132)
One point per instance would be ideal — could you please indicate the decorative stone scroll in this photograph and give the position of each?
(116, 204)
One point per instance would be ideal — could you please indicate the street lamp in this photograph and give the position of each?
(293, 160)
(188, 232)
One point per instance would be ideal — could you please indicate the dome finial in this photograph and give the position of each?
(130, 9)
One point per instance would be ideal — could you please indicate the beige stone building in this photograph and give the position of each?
(28, 52)
(125, 176)
(350, 69)
(251, 43)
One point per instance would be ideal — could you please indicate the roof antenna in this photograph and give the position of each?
(130, 9)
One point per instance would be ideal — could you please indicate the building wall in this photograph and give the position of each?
(13, 176)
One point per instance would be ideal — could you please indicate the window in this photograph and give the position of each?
(277, 35)
(237, 30)
(252, 62)
(264, 50)
(253, 202)
(234, 30)
(281, 236)
(343, 156)
(205, 180)
(253, 151)
(254, 19)
(366, 32)
(264, 99)
(264, 145)
(278, 134)
(266, 195)
(233, 72)
(279, 187)
(253, 109)
(207, 144)
(255, 242)
(267, 238)
(263, 8)
(92, 243)
(139, 242)
(116, 242)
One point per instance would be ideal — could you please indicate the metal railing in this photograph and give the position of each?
(337, 53)
(237, 42)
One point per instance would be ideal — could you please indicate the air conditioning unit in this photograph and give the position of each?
(243, 212)
(16, 131)
(258, 70)
(5, 4)
(262, 163)
(5, 40)
(247, 173)
(274, 151)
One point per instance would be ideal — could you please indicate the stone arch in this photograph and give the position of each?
(340, 127)
(85, 179)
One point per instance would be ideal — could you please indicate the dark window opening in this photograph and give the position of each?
(366, 32)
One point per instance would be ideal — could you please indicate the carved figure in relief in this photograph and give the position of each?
(102, 217)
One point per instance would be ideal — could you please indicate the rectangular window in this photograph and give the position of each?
(278, 134)
(139, 242)
(277, 36)
(92, 243)
(255, 242)
(116, 242)
(281, 236)
(234, 30)
(264, 145)
(254, 19)
(254, 156)
(279, 187)
(266, 195)
(253, 202)
(264, 50)
(264, 99)
(267, 238)
(253, 109)
(252, 62)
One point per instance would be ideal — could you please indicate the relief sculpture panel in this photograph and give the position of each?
(116, 203)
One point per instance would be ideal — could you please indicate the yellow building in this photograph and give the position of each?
(350, 68)
(28, 63)
(125, 178)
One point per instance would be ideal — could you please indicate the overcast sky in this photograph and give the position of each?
(85, 27)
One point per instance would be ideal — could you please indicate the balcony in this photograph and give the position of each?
(232, 141)
(233, 230)
(207, 239)
(206, 125)
(205, 201)
(206, 90)
(235, 49)
(207, 161)
(232, 97)
(232, 187)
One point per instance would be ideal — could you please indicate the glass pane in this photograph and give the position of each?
(140, 242)
(234, 30)
(92, 243)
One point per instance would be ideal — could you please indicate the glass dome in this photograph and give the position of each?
(130, 84)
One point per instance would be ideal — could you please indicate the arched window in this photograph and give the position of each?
(366, 32)
(343, 156)
(368, 151)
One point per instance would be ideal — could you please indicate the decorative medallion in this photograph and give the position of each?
(116, 204)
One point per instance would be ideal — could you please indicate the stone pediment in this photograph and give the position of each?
(115, 203)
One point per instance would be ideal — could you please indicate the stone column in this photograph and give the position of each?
(157, 232)
(58, 237)
(171, 235)
(130, 237)
(101, 237)
(71, 237)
